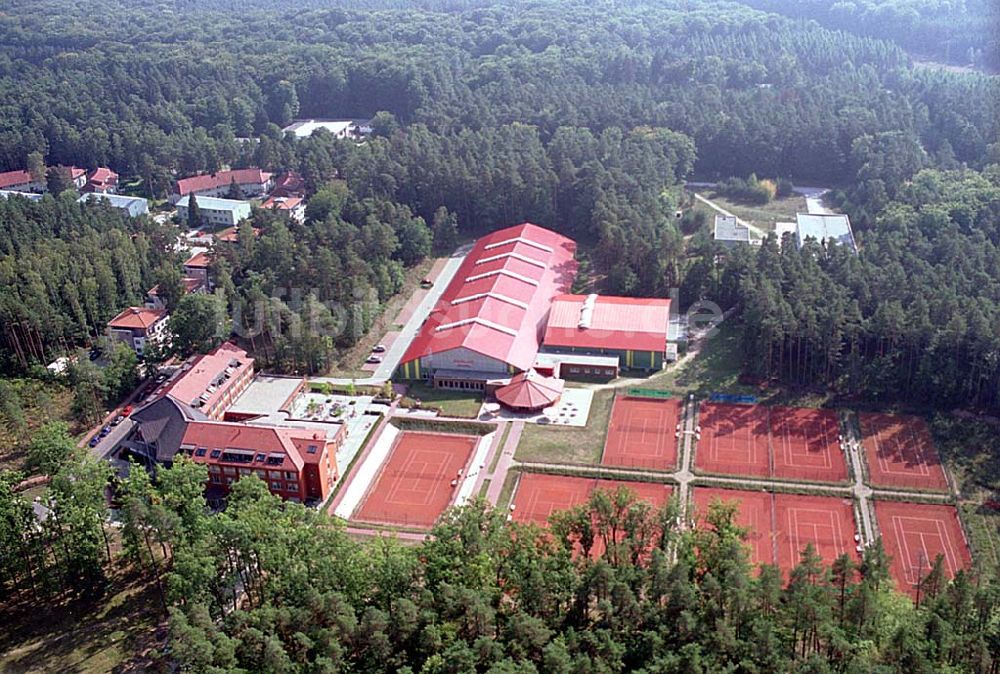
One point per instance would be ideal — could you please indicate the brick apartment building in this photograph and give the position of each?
(297, 464)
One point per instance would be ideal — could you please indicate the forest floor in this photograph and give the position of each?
(42, 403)
(121, 632)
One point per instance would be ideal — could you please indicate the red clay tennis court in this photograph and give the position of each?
(781, 525)
(753, 514)
(825, 521)
(538, 495)
(915, 534)
(414, 485)
(642, 433)
(901, 453)
(734, 440)
(806, 445)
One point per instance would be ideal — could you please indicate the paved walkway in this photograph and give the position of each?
(711, 204)
(499, 475)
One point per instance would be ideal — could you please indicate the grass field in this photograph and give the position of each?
(540, 443)
(463, 404)
(778, 210)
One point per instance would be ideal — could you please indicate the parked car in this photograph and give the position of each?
(426, 283)
(105, 431)
(127, 410)
(93, 441)
(378, 348)
(374, 359)
(117, 420)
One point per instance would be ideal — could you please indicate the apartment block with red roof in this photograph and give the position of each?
(253, 182)
(138, 326)
(632, 329)
(211, 382)
(289, 184)
(197, 267)
(489, 322)
(75, 175)
(102, 180)
(296, 464)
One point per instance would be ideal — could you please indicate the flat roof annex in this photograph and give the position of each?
(498, 300)
(608, 322)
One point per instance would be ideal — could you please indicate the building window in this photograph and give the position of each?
(262, 474)
(275, 474)
(201, 451)
(216, 479)
(214, 469)
(216, 453)
(244, 471)
(292, 486)
(574, 370)
(229, 480)
(260, 458)
(311, 449)
(229, 470)
(289, 475)
(276, 486)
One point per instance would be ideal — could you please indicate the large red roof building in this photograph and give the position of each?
(21, 181)
(212, 382)
(297, 464)
(253, 182)
(632, 328)
(489, 321)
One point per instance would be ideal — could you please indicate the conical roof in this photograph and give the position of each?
(530, 391)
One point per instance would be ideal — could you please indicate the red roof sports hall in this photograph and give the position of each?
(489, 322)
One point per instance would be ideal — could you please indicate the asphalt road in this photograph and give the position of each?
(392, 356)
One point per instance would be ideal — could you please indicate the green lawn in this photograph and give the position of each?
(778, 210)
(463, 404)
(983, 526)
(553, 444)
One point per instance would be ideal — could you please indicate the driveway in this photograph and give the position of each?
(392, 355)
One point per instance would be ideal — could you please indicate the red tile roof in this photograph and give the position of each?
(281, 203)
(11, 178)
(620, 323)
(249, 176)
(199, 260)
(137, 318)
(207, 370)
(530, 391)
(289, 184)
(102, 177)
(289, 444)
(498, 300)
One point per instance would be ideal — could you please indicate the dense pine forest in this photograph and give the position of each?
(587, 118)
(567, 115)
